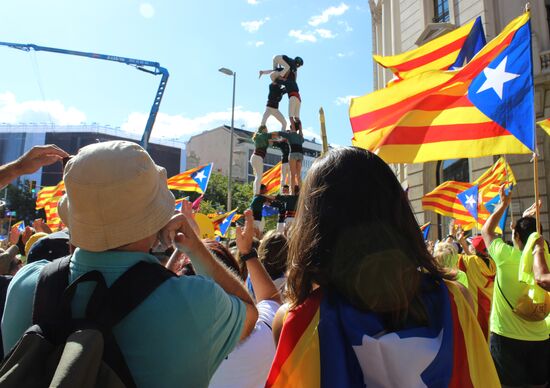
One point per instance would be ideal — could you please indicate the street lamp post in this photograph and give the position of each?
(226, 71)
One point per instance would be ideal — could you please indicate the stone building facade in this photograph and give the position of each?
(401, 25)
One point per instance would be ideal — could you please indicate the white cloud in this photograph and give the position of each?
(302, 36)
(146, 10)
(325, 34)
(255, 43)
(12, 111)
(327, 14)
(253, 2)
(346, 54)
(346, 25)
(309, 134)
(181, 127)
(343, 100)
(254, 25)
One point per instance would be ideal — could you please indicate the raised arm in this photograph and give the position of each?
(31, 161)
(488, 230)
(540, 267)
(264, 288)
(180, 233)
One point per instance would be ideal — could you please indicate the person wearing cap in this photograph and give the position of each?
(520, 348)
(480, 270)
(49, 247)
(117, 206)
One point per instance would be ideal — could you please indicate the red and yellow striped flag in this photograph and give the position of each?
(195, 179)
(545, 124)
(49, 192)
(444, 114)
(443, 199)
(52, 216)
(442, 53)
(272, 179)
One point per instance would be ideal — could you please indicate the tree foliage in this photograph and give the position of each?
(20, 199)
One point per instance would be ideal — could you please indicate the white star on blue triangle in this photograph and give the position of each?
(202, 176)
(504, 91)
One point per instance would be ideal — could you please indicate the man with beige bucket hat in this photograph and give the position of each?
(117, 206)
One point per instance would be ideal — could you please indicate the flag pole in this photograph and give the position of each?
(323, 131)
(508, 177)
(536, 178)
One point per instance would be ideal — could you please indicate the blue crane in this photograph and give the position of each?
(147, 66)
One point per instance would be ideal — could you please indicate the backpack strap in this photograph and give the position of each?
(502, 293)
(52, 281)
(124, 295)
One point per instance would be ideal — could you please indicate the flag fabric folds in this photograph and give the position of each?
(491, 206)
(469, 199)
(448, 51)
(545, 124)
(272, 179)
(481, 109)
(52, 216)
(325, 342)
(195, 179)
(481, 277)
(444, 199)
(425, 229)
(223, 222)
(20, 226)
(49, 192)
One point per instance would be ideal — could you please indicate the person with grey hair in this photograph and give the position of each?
(117, 206)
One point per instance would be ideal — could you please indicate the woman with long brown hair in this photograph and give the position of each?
(363, 291)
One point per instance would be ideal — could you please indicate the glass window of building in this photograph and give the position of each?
(441, 11)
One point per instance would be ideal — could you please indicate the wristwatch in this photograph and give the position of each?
(253, 254)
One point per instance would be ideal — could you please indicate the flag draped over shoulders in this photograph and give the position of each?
(325, 342)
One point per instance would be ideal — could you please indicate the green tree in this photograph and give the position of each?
(21, 200)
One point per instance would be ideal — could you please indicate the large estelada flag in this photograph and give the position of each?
(485, 108)
(444, 199)
(47, 193)
(325, 342)
(195, 179)
(272, 179)
(448, 51)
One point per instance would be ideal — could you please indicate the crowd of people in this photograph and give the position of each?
(348, 295)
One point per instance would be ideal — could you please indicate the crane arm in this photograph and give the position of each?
(146, 66)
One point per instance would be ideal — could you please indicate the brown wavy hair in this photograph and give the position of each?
(355, 233)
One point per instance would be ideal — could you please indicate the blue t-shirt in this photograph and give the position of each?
(177, 337)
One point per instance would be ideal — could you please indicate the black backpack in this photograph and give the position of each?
(59, 351)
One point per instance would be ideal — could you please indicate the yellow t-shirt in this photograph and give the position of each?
(503, 320)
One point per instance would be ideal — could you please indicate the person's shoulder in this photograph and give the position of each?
(29, 273)
(500, 249)
(267, 310)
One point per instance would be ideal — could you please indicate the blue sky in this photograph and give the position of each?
(192, 39)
